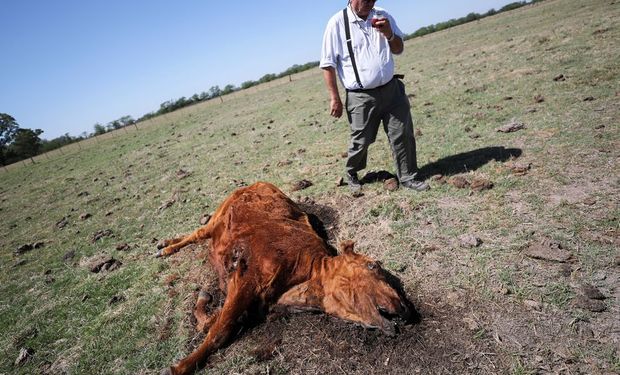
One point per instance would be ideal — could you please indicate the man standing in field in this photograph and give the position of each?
(365, 66)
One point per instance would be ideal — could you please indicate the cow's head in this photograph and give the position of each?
(360, 290)
(356, 288)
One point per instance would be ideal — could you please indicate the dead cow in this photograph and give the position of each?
(266, 252)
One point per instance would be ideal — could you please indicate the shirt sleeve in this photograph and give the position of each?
(395, 28)
(330, 50)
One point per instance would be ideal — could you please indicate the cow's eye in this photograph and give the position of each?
(372, 266)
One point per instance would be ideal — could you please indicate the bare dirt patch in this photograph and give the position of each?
(440, 344)
(548, 250)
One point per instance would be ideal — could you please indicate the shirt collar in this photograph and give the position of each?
(354, 18)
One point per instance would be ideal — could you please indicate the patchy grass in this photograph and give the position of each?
(486, 309)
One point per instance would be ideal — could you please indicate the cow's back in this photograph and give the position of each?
(255, 204)
(266, 230)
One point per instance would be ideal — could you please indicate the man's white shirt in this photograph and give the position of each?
(374, 60)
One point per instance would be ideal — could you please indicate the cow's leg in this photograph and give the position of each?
(167, 242)
(175, 244)
(204, 320)
(307, 296)
(240, 296)
(203, 233)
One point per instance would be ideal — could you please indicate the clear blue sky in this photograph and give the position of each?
(68, 64)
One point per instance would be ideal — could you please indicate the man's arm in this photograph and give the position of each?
(396, 45)
(335, 105)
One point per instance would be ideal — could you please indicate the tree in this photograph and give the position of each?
(26, 143)
(215, 91)
(165, 107)
(491, 12)
(511, 6)
(99, 129)
(472, 17)
(228, 89)
(180, 103)
(126, 121)
(248, 84)
(55, 143)
(267, 78)
(8, 129)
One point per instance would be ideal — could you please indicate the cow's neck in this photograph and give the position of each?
(324, 266)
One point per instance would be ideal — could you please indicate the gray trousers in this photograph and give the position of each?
(366, 110)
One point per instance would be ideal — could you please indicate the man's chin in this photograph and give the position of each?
(363, 12)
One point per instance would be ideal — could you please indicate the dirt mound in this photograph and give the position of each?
(101, 263)
(301, 185)
(548, 250)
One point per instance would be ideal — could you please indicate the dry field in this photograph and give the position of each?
(512, 258)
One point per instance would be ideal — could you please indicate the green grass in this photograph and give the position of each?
(558, 294)
(520, 369)
(281, 132)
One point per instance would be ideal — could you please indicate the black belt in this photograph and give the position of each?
(396, 76)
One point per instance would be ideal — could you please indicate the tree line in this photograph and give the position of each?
(16, 143)
(217, 92)
(468, 18)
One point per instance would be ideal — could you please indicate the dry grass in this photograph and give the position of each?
(487, 309)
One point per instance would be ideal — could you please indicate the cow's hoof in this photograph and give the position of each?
(159, 254)
(204, 295)
(161, 244)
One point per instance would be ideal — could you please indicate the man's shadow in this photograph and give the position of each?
(454, 164)
(467, 161)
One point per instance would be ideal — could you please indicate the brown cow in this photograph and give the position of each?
(266, 252)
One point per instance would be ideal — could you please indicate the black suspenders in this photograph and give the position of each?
(347, 33)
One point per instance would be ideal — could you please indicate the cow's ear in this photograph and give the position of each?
(346, 247)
